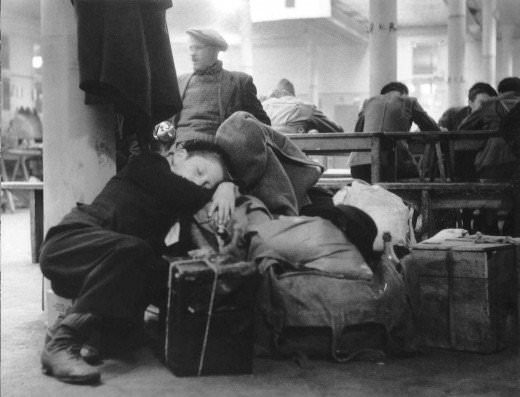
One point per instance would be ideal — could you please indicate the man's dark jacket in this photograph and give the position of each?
(235, 91)
(106, 255)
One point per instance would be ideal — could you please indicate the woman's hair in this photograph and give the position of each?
(207, 149)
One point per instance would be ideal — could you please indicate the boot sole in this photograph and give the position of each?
(86, 380)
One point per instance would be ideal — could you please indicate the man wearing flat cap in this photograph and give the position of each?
(211, 94)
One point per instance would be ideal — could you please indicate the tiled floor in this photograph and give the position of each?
(437, 373)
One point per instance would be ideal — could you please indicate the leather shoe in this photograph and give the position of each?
(67, 365)
(91, 349)
(61, 355)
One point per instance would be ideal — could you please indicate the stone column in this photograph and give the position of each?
(456, 52)
(505, 68)
(79, 141)
(382, 44)
(312, 54)
(516, 57)
(246, 32)
(489, 41)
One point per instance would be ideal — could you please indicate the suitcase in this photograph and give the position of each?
(210, 318)
(467, 294)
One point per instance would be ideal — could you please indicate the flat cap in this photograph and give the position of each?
(209, 37)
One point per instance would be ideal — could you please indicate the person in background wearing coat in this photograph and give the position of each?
(211, 94)
(495, 161)
(392, 110)
(290, 115)
(454, 116)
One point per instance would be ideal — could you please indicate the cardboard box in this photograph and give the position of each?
(468, 294)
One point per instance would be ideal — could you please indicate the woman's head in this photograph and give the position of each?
(204, 163)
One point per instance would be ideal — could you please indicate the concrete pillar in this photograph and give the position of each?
(382, 44)
(489, 41)
(312, 56)
(246, 32)
(505, 65)
(516, 57)
(79, 140)
(456, 52)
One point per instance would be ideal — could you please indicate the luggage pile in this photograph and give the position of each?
(301, 290)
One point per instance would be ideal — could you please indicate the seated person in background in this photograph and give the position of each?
(211, 94)
(392, 110)
(495, 161)
(463, 170)
(453, 117)
(107, 255)
(290, 115)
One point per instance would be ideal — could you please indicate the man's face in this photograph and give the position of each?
(203, 171)
(202, 55)
(477, 102)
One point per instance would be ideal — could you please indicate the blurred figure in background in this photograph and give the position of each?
(495, 161)
(453, 117)
(290, 115)
(392, 110)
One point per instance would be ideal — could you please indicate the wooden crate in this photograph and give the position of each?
(468, 295)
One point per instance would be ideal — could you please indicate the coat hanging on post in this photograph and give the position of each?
(125, 58)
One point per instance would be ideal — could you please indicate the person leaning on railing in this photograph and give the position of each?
(392, 110)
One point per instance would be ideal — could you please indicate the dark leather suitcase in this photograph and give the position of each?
(210, 318)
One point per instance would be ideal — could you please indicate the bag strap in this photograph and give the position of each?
(215, 269)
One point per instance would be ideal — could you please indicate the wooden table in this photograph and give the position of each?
(425, 195)
(35, 190)
(430, 196)
(20, 155)
(342, 143)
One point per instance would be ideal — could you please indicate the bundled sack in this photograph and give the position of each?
(318, 297)
(388, 211)
(323, 315)
(307, 243)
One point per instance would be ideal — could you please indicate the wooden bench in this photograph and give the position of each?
(426, 196)
(35, 190)
(343, 143)
(430, 196)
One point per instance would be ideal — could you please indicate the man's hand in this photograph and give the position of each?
(222, 205)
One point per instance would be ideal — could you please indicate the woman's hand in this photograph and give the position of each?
(223, 203)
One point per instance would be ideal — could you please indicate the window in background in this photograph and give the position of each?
(428, 80)
(6, 93)
(423, 59)
(5, 51)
